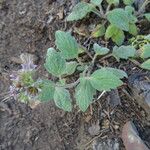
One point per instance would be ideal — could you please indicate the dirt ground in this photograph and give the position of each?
(29, 26)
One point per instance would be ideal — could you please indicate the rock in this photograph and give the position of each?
(109, 144)
(94, 129)
(114, 99)
(140, 90)
(131, 139)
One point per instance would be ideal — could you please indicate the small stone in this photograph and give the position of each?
(116, 127)
(131, 139)
(108, 144)
(94, 129)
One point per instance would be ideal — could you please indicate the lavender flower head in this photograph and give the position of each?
(27, 62)
(23, 78)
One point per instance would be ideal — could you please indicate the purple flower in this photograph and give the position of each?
(16, 77)
(27, 62)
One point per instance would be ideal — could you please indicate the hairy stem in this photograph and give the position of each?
(142, 7)
(72, 85)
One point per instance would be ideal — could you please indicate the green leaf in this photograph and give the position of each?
(62, 99)
(146, 65)
(84, 93)
(80, 11)
(55, 64)
(47, 91)
(147, 15)
(145, 51)
(123, 52)
(100, 50)
(111, 30)
(116, 34)
(115, 2)
(119, 73)
(66, 44)
(147, 37)
(133, 29)
(104, 80)
(98, 31)
(70, 67)
(96, 2)
(130, 12)
(128, 2)
(119, 37)
(119, 18)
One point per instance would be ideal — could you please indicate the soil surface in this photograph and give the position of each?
(29, 26)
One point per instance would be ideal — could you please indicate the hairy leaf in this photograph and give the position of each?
(123, 52)
(116, 34)
(47, 91)
(55, 64)
(119, 18)
(100, 50)
(115, 2)
(128, 2)
(80, 11)
(70, 67)
(133, 29)
(111, 30)
(96, 2)
(147, 15)
(119, 37)
(119, 73)
(130, 12)
(62, 99)
(146, 65)
(66, 44)
(145, 51)
(84, 93)
(105, 80)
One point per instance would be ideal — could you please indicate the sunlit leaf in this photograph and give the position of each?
(116, 34)
(98, 31)
(119, 37)
(133, 29)
(111, 30)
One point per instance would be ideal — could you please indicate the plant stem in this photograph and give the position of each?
(107, 9)
(101, 10)
(106, 56)
(79, 61)
(71, 85)
(91, 65)
(101, 95)
(99, 14)
(142, 7)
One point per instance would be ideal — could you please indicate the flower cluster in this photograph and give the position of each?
(23, 83)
